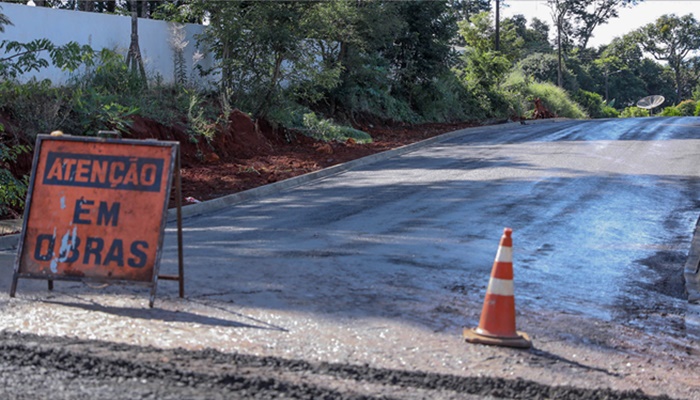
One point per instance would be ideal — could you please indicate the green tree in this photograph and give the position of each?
(630, 75)
(671, 38)
(588, 15)
(265, 50)
(560, 10)
(535, 39)
(465, 9)
(422, 48)
(484, 68)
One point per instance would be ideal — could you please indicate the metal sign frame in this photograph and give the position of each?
(45, 245)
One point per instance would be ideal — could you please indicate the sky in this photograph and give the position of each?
(629, 19)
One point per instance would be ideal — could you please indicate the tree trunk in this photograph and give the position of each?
(498, 25)
(679, 82)
(560, 77)
(133, 59)
(264, 106)
(88, 6)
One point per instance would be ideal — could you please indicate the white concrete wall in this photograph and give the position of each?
(99, 31)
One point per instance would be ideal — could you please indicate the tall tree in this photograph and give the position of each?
(535, 39)
(632, 76)
(465, 9)
(422, 48)
(588, 15)
(560, 10)
(671, 39)
(262, 50)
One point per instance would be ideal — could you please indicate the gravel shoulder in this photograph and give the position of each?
(63, 368)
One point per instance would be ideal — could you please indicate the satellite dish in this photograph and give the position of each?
(650, 102)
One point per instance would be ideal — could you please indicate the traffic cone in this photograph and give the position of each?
(497, 323)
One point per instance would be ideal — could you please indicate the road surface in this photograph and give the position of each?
(382, 265)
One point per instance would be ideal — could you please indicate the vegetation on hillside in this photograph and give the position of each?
(318, 67)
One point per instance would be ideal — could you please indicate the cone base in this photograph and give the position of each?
(522, 341)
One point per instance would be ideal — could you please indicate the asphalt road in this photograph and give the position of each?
(596, 208)
(383, 264)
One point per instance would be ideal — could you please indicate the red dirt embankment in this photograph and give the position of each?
(244, 154)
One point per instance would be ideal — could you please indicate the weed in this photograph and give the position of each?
(12, 190)
(326, 130)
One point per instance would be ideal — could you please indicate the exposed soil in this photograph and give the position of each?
(246, 154)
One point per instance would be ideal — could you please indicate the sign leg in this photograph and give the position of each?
(180, 256)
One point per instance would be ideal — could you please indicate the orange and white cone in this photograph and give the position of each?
(497, 323)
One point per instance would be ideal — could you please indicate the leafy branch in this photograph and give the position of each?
(26, 57)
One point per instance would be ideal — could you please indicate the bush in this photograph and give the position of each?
(521, 94)
(671, 111)
(594, 105)
(609, 112)
(12, 190)
(687, 108)
(36, 106)
(634, 112)
(326, 130)
(445, 99)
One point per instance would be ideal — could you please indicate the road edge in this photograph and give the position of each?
(692, 285)
(9, 242)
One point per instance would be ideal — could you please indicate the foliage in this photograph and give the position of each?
(671, 38)
(594, 105)
(4, 21)
(522, 91)
(348, 59)
(12, 190)
(36, 106)
(687, 107)
(178, 44)
(105, 95)
(534, 39)
(445, 98)
(198, 122)
(671, 111)
(262, 49)
(465, 9)
(326, 130)
(543, 67)
(20, 58)
(634, 112)
(556, 100)
(483, 69)
(589, 14)
(630, 75)
(421, 50)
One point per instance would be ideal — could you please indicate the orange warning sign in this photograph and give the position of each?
(96, 209)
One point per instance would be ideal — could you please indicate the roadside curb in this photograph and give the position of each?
(692, 277)
(11, 241)
(223, 202)
(692, 285)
